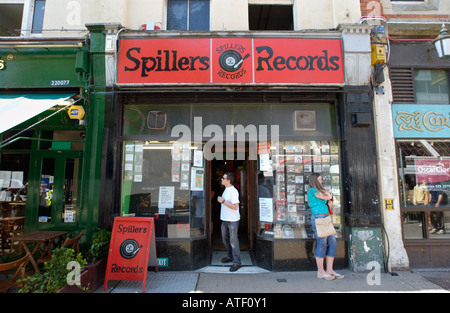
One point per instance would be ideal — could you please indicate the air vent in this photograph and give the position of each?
(156, 120)
(402, 79)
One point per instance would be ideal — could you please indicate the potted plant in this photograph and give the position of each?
(55, 273)
(97, 256)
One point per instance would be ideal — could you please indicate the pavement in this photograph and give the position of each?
(254, 280)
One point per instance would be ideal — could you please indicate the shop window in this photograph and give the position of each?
(283, 186)
(165, 181)
(14, 171)
(425, 185)
(10, 19)
(188, 15)
(270, 17)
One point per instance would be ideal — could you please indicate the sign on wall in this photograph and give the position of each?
(129, 249)
(421, 121)
(231, 61)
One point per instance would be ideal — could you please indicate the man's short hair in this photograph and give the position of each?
(230, 177)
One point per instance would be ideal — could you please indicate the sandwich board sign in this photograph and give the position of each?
(132, 243)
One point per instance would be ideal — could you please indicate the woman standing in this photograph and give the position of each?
(326, 246)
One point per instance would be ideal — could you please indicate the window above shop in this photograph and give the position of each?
(421, 86)
(38, 16)
(270, 17)
(21, 18)
(10, 19)
(188, 15)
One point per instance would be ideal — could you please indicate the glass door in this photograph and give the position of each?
(59, 197)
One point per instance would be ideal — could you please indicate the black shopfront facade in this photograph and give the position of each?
(178, 118)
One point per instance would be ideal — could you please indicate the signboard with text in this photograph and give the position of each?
(230, 61)
(421, 121)
(129, 250)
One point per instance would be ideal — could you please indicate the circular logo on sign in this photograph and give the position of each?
(129, 248)
(231, 60)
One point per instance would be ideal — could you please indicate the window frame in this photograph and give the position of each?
(187, 17)
(27, 18)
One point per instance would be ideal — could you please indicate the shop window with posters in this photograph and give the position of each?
(424, 170)
(165, 180)
(283, 172)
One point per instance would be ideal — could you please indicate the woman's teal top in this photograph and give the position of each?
(318, 206)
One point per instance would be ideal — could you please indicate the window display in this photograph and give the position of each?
(283, 186)
(425, 185)
(165, 181)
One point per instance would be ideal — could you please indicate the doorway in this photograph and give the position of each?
(58, 174)
(242, 172)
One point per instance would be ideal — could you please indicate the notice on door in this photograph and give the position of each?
(129, 250)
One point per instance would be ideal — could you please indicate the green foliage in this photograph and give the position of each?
(100, 244)
(55, 272)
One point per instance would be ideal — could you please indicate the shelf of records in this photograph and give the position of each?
(291, 164)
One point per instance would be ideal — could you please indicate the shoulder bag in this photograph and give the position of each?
(324, 227)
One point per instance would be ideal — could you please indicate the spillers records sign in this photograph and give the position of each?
(231, 61)
(129, 249)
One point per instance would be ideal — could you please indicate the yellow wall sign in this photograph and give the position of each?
(76, 112)
(389, 204)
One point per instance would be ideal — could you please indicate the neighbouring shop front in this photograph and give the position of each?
(44, 167)
(185, 110)
(421, 128)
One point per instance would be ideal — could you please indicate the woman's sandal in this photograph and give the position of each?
(338, 276)
(326, 276)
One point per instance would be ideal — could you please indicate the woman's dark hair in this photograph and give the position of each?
(314, 182)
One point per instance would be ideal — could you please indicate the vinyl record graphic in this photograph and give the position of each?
(230, 60)
(129, 248)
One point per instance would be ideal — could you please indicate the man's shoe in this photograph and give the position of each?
(235, 267)
(226, 260)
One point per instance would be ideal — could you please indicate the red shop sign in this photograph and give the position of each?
(231, 61)
(129, 249)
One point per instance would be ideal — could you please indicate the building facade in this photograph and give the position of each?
(178, 92)
(412, 154)
(202, 97)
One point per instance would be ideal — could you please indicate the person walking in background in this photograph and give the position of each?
(326, 246)
(229, 214)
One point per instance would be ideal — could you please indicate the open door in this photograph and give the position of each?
(242, 170)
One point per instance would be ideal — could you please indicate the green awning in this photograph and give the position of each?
(18, 108)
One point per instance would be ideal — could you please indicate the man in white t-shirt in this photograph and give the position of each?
(229, 214)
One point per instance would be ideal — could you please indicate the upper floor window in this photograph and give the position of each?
(431, 86)
(188, 15)
(38, 16)
(422, 86)
(270, 17)
(21, 18)
(11, 19)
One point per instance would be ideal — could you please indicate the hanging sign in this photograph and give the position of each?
(231, 61)
(132, 242)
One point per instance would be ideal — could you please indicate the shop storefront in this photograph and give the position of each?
(44, 135)
(271, 110)
(421, 129)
